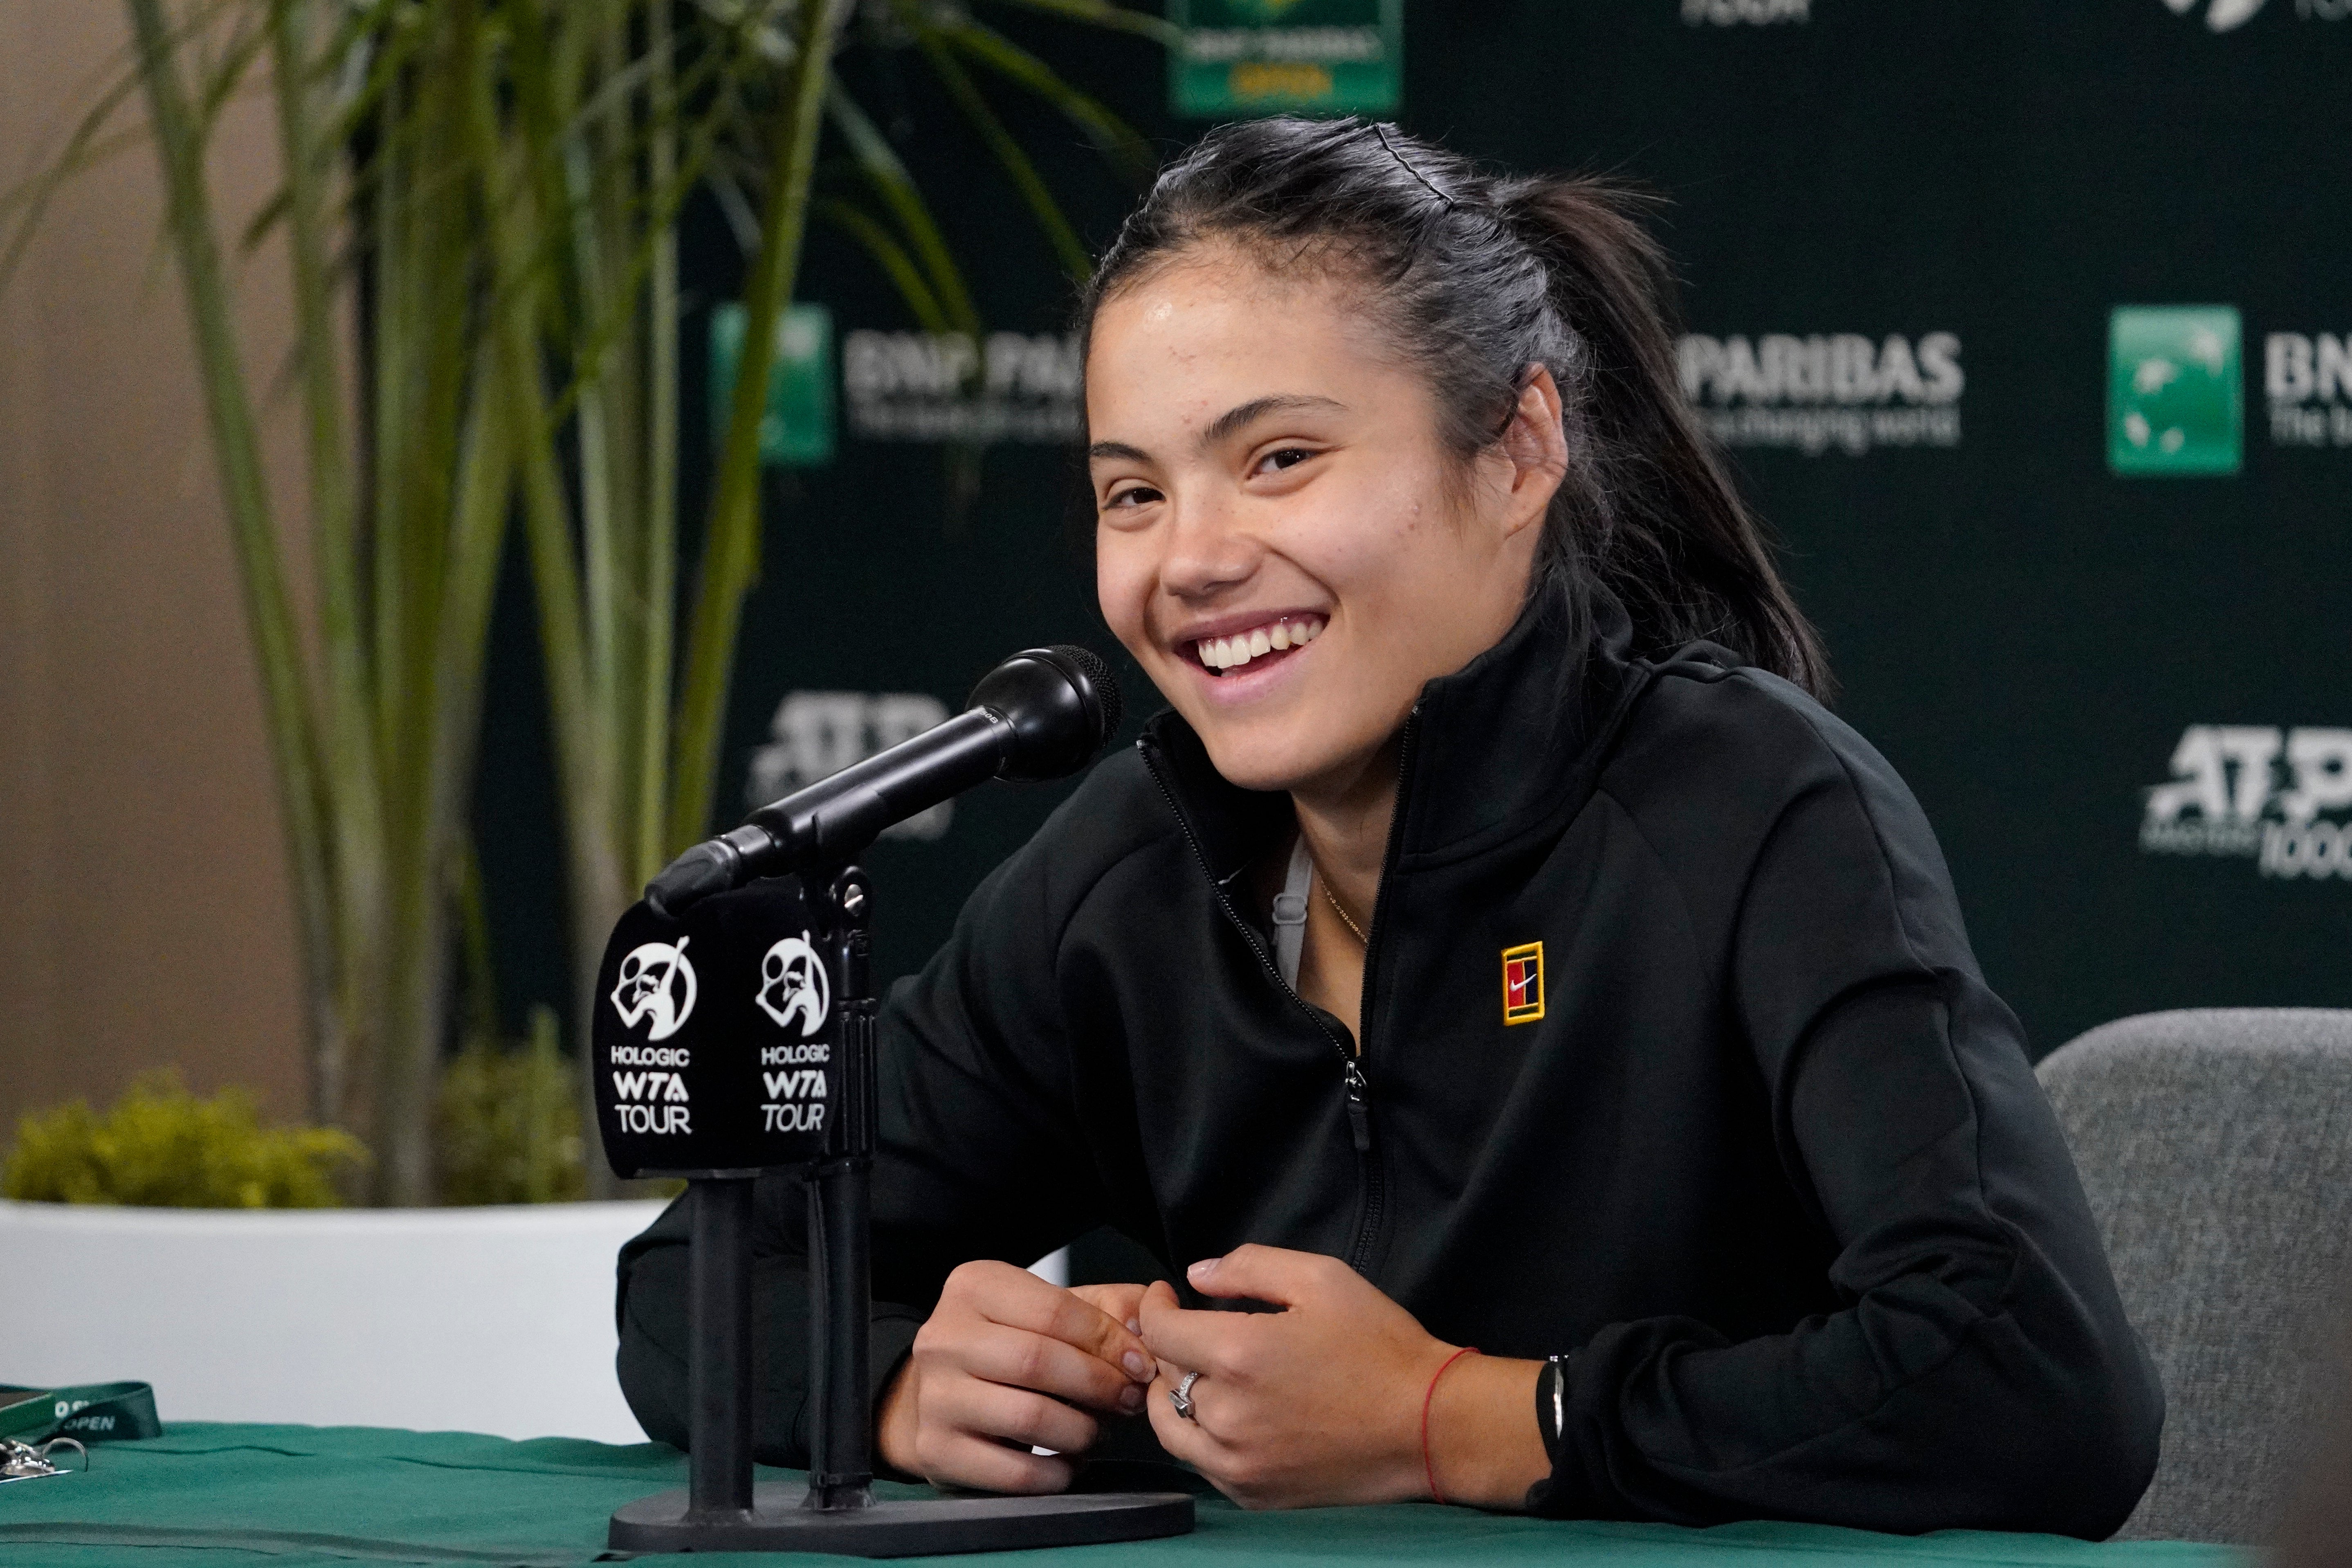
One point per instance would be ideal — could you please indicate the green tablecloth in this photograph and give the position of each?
(213, 1496)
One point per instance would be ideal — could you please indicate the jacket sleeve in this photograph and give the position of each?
(977, 1157)
(1980, 1373)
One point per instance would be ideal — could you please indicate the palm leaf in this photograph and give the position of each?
(890, 181)
(1117, 141)
(1102, 14)
(892, 258)
(1016, 162)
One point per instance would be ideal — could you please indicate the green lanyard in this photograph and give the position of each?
(91, 1412)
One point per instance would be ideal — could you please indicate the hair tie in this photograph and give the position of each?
(1381, 131)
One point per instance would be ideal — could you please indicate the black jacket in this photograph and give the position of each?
(1771, 1166)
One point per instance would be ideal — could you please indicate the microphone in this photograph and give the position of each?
(1038, 715)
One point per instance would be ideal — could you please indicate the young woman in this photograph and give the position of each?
(1498, 944)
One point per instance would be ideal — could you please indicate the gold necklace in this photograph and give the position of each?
(1333, 898)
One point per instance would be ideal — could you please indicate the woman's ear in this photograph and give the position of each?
(1537, 448)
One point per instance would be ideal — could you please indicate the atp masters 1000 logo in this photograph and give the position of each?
(2257, 791)
(2228, 15)
(1753, 13)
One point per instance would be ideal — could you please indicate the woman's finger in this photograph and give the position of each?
(959, 1459)
(1120, 1301)
(1021, 1359)
(1213, 1341)
(1019, 1299)
(1017, 1415)
(1184, 1438)
(1276, 1274)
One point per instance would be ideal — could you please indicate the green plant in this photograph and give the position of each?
(161, 1147)
(638, 704)
(504, 176)
(510, 1123)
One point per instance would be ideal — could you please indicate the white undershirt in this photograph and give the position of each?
(1290, 912)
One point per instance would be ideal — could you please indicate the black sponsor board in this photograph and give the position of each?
(1904, 232)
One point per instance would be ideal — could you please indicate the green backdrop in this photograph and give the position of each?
(2029, 324)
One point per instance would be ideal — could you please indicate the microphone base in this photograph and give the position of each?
(778, 1519)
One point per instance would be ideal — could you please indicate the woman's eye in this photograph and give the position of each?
(1287, 457)
(1134, 495)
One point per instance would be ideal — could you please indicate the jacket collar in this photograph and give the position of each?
(1491, 751)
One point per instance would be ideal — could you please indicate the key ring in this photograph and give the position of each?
(21, 1461)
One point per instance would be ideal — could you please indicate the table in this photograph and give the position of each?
(217, 1495)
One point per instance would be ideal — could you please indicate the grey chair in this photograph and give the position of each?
(2216, 1147)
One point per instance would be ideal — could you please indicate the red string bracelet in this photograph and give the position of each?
(1429, 1469)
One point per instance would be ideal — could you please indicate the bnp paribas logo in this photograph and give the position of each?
(2175, 401)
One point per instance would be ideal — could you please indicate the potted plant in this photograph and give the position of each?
(481, 197)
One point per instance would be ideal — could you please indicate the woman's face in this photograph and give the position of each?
(1282, 541)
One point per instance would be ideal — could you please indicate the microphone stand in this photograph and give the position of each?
(721, 1509)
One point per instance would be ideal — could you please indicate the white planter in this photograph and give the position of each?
(487, 1320)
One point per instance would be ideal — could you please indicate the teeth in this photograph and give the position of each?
(1232, 652)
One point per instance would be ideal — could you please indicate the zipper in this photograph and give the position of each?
(1360, 1110)
(1359, 1116)
(1357, 1086)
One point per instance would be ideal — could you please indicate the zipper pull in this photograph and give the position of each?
(1359, 1115)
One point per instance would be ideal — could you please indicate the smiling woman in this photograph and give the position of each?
(1496, 943)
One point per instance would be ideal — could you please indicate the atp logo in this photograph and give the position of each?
(656, 983)
(2258, 791)
(2221, 16)
(1753, 13)
(792, 985)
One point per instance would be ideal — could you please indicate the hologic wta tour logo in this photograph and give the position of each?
(2257, 791)
(656, 983)
(1836, 391)
(2175, 401)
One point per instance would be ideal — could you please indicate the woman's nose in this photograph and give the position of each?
(1206, 554)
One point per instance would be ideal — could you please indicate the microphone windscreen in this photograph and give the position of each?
(1090, 664)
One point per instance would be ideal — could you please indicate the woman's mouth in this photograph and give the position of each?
(1220, 656)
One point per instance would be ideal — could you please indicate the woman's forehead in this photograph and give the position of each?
(1214, 320)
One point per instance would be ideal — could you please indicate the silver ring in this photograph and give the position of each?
(1180, 1396)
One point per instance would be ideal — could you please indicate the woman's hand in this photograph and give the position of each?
(1007, 1363)
(1321, 1403)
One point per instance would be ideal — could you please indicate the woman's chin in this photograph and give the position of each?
(1270, 763)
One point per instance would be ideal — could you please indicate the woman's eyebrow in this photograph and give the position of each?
(1225, 424)
(1240, 415)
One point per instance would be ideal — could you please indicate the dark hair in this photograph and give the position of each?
(1476, 278)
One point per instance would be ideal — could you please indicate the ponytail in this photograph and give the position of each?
(1476, 278)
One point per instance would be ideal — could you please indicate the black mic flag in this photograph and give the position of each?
(1038, 715)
